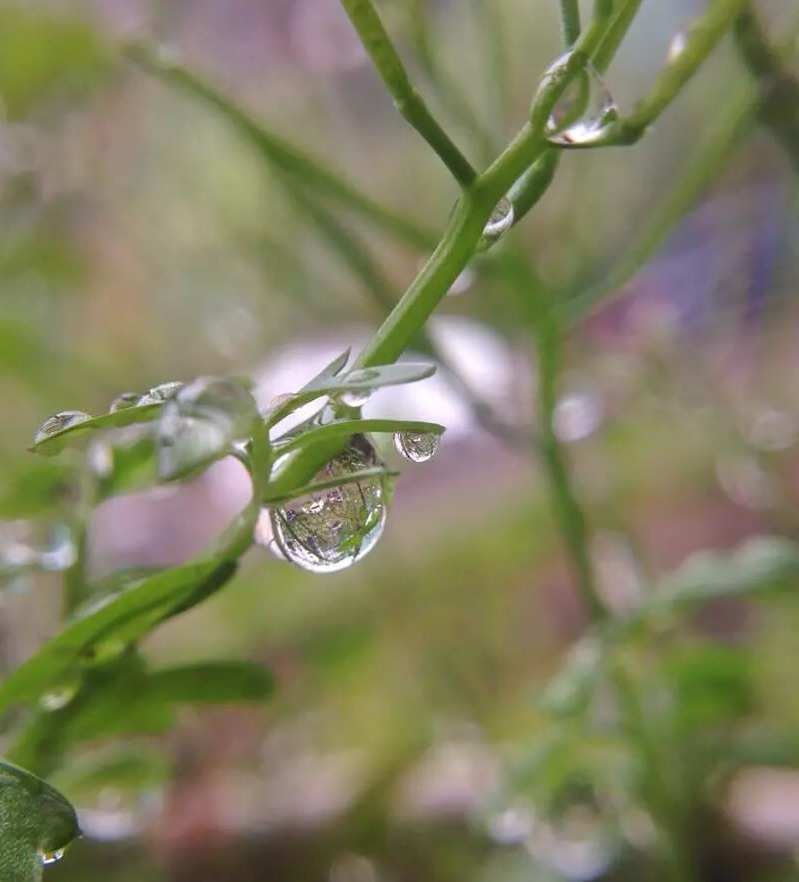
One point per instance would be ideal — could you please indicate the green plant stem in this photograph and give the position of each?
(663, 805)
(307, 170)
(704, 166)
(616, 33)
(407, 100)
(570, 21)
(702, 38)
(532, 185)
(568, 513)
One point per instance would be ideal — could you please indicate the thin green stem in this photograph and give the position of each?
(568, 513)
(663, 805)
(708, 161)
(616, 33)
(702, 38)
(570, 21)
(407, 100)
(306, 169)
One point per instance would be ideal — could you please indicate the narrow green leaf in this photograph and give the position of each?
(118, 619)
(345, 428)
(211, 682)
(35, 821)
(57, 441)
(316, 486)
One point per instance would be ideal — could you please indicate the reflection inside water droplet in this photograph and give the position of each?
(124, 401)
(61, 696)
(162, 392)
(417, 446)
(677, 46)
(355, 397)
(51, 857)
(332, 529)
(499, 223)
(584, 114)
(65, 419)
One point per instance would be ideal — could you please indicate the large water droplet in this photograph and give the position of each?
(334, 528)
(584, 114)
(58, 422)
(124, 401)
(162, 392)
(499, 223)
(51, 857)
(417, 446)
(356, 397)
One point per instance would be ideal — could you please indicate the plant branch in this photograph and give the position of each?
(300, 165)
(570, 21)
(407, 100)
(702, 38)
(615, 34)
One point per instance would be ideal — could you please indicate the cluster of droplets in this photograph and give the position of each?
(584, 114)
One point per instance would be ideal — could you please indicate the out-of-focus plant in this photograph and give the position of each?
(320, 492)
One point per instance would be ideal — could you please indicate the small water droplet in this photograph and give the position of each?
(51, 857)
(61, 696)
(462, 283)
(332, 529)
(124, 401)
(512, 825)
(103, 652)
(60, 552)
(58, 422)
(162, 392)
(417, 446)
(578, 843)
(499, 223)
(585, 112)
(100, 459)
(577, 416)
(677, 46)
(356, 397)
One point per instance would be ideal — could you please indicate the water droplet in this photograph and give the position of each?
(462, 283)
(499, 223)
(585, 112)
(61, 696)
(512, 825)
(417, 446)
(577, 416)
(124, 401)
(578, 843)
(100, 459)
(50, 857)
(60, 552)
(162, 392)
(677, 46)
(103, 652)
(58, 422)
(201, 423)
(356, 397)
(332, 529)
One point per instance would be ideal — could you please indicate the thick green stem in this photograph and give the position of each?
(408, 101)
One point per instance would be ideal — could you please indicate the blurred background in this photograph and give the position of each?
(143, 240)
